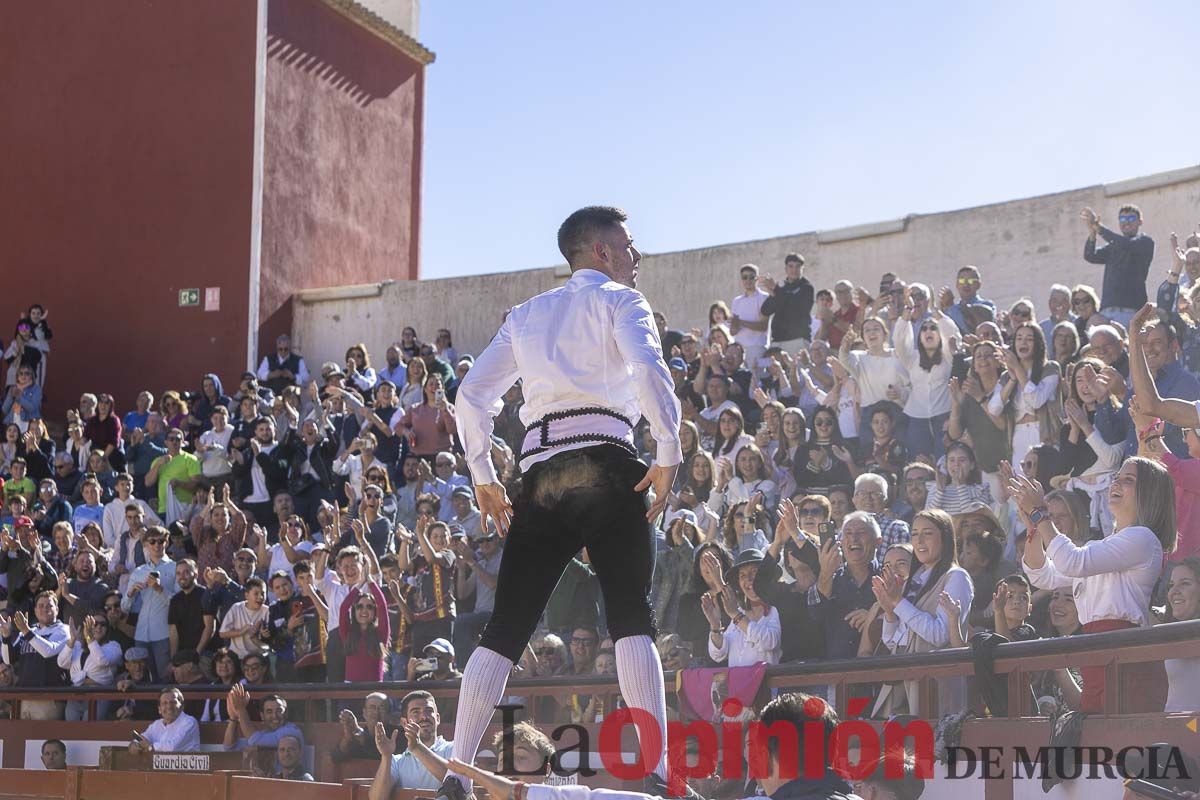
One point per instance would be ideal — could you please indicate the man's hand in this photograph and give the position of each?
(349, 722)
(1144, 315)
(386, 745)
(494, 505)
(1091, 219)
(662, 479)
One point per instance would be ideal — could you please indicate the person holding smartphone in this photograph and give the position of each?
(429, 424)
(173, 732)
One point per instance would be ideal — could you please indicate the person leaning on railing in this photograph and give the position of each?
(173, 732)
(1112, 578)
(1183, 603)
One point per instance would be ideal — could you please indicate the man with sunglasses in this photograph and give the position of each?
(967, 284)
(749, 322)
(151, 587)
(1126, 258)
(177, 471)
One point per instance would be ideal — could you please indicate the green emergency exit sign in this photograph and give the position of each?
(189, 297)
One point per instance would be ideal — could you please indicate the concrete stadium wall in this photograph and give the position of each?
(1022, 246)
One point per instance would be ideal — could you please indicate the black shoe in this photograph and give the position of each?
(452, 789)
(654, 785)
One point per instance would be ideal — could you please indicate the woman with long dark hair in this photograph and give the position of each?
(365, 629)
(825, 460)
(914, 619)
(1183, 603)
(991, 438)
(1029, 389)
(227, 666)
(706, 580)
(1112, 578)
(731, 435)
(689, 442)
(928, 359)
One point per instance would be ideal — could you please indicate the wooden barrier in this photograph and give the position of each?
(251, 760)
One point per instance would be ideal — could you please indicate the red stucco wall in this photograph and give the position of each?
(341, 158)
(126, 175)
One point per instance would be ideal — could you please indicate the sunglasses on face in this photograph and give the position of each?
(174, 438)
(373, 496)
(155, 541)
(811, 511)
(968, 281)
(588, 642)
(364, 606)
(1127, 218)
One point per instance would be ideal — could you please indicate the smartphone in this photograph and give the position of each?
(439, 395)
(426, 664)
(960, 366)
(825, 533)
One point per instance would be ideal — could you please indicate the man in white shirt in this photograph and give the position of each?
(173, 732)
(590, 361)
(114, 522)
(213, 449)
(749, 326)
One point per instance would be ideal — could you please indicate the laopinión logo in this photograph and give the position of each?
(854, 750)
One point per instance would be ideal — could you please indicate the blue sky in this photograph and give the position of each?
(721, 122)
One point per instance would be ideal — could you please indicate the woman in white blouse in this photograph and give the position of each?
(914, 621)
(1183, 603)
(753, 635)
(751, 477)
(928, 360)
(878, 373)
(98, 668)
(1029, 389)
(1112, 578)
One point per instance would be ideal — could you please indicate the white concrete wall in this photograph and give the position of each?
(404, 14)
(1022, 246)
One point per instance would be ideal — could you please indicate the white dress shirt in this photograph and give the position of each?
(589, 343)
(930, 392)
(760, 642)
(181, 736)
(113, 523)
(101, 665)
(1111, 578)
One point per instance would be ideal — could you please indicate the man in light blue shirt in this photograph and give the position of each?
(405, 770)
(151, 587)
(242, 732)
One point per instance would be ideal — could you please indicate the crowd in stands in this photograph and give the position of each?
(865, 472)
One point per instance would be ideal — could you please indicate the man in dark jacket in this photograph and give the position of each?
(310, 454)
(789, 306)
(260, 470)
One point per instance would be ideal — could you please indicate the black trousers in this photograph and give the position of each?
(580, 498)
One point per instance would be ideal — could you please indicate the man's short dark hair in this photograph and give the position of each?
(793, 258)
(795, 709)
(824, 293)
(57, 743)
(579, 230)
(419, 694)
(1129, 209)
(277, 698)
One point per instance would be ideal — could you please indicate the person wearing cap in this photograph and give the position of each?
(789, 305)
(462, 367)
(466, 515)
(441, 651)
(684, 389)
(754, 634)
(21, 555)
(135, 677)
(591, 360)
(150, 589)
(477, 577)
